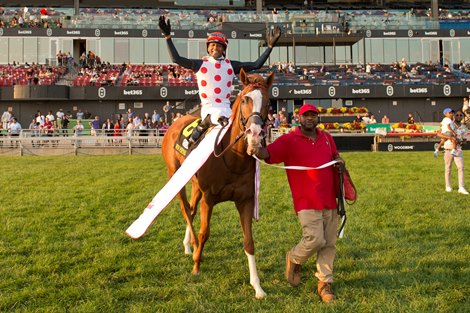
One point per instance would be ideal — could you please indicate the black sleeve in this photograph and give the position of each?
(191, 64)
(251, 66)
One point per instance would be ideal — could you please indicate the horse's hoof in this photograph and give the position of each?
(188, 251)
(196, 269)
(260, 295)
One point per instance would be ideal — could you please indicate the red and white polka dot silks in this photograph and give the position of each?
(214, 79)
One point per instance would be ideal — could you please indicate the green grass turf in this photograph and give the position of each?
(63, 246)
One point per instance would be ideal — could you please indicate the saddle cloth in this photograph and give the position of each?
(181, 177)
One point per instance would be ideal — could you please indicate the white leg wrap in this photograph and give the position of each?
(254, 279)
(187, 241)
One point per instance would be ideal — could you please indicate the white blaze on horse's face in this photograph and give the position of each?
(254, 133)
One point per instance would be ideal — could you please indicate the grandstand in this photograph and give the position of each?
(332, 53)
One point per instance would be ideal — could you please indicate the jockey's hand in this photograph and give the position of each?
(165, 26)
(272, 36)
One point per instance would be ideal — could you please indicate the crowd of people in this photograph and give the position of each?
(59, 123)
(29, 74)
(30, 18)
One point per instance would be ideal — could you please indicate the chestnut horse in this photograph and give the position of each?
(229, 177)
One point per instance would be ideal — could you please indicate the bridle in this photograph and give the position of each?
(242, 122)
(254, 115)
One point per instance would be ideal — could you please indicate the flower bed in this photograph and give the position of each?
(343, 127)
(342, 111)
(406, 128)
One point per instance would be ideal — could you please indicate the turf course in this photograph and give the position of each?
(63, 247)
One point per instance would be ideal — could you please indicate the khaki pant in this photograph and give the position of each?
(448, 158)
(319, 231)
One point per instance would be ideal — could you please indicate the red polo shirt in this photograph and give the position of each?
(311, 189)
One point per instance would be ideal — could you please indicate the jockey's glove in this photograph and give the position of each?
(165, 26)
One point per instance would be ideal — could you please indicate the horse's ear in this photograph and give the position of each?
(243, 77)
(270, 79)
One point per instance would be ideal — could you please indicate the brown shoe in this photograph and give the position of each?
(325, 292)
(293, 271)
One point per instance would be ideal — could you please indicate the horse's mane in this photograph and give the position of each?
(254, 80)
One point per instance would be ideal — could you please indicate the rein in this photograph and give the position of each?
(229, 146)
(341, 199)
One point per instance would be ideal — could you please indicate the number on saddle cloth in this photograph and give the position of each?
(182, 144)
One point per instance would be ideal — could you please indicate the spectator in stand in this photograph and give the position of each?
(78, 128)
(117, 128)
(50, 116)
(130, 127)
(130, 114)
(148, 120)
(65, 124)
(14, 128)
(48, 127)
(108, 127)
(269, 124)
(447, 68)
(70, 62)
(59, 116)
(83, 60)
(136, 120)
(40, 118)
(403, 65)
(277, 121)
(59, 58)
(6, 116)
(80, 114)
(461, 131)
(358, 119)
(91, 59)
(166, 112)
(36, 131)
(295, 120)
(274, 13)
(283, 120)
(87, 115)
(466, 110)
(160, 123)
(96, 126)
(411, 119)
(366, 118)
(33, 124)
(155, 118)
(385, 120)
(372, 119)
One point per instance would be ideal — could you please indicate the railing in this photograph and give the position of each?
(66, 142)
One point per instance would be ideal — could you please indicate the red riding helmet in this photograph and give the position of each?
(217, 37)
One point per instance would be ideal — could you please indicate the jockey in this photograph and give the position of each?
(215, 74)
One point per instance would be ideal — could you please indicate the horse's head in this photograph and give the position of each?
(254, 106)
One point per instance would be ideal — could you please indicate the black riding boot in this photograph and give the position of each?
(201, 129)
(223, 121)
